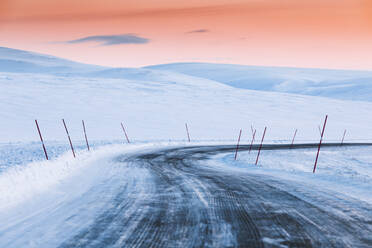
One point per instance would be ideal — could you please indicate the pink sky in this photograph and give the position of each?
(300, 33)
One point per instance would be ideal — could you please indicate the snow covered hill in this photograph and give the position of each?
(51, 203)
(339, 84)
(155, 110)
(154, 104)
(139, 74)
(19, 61)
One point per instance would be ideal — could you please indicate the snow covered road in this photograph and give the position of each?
(173, 197)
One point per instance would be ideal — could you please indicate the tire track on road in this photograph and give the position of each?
(194, 205)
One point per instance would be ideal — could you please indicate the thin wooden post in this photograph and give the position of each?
(85, 134)
(187, 130)
(320, 143)
(125, 132)
(343, 137)
(42, 141)
(259, 149)
(294, 136)
(237, 146)
(69, 139)
(250, 147)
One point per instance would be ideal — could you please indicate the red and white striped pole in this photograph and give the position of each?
(259, 149)
(42, 141)
(294, 136)
(320, 143)
(343, 137)
(254, 135)
(187, 131)
(85, 134)
(237, 146)
(69, 139)
(125, 132)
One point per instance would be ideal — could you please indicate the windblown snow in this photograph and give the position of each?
(154, 103)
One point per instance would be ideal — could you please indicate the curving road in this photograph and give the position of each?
(186, 203)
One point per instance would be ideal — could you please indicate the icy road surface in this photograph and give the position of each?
(172, 197)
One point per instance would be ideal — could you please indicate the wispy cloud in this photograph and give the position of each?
(110, 40)
(198, 31)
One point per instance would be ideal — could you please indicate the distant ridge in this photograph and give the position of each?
(340, 84)
(14, 60)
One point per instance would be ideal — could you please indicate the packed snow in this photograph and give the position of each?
(82, 188)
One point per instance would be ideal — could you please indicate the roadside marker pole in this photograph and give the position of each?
(320, 142)
(237, 146)
(188, 134)
(69, 139)
(294, 136)
(343, 137)
(42, 141)
(259, 149)
(125, 132)
(250, 147)
(85, 134)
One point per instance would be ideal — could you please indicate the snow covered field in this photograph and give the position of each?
(153, 110)
(154, 103)
(347, 170)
